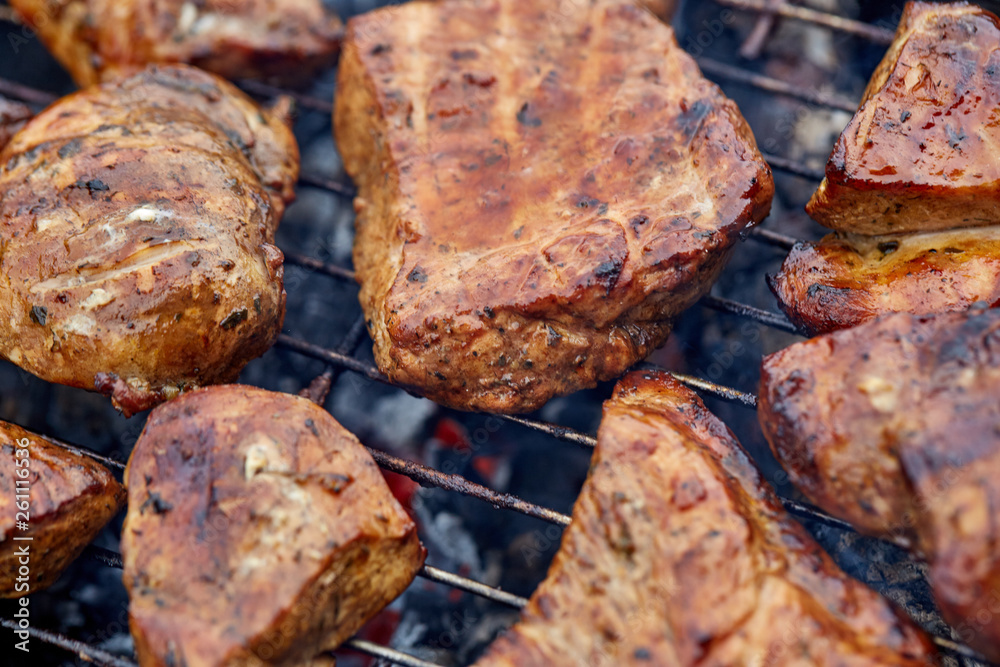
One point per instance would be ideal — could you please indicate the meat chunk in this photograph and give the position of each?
(139, 221)
(680, 554)
(285, 41)
(662, 8)
(13, 116)
(894, 426)
(541, 192)
(847, 279)
(259, 531)
(920, 153)
(63, 498)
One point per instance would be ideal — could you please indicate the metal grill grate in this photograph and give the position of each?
(343, 358)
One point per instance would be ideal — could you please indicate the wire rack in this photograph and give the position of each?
(342, 358)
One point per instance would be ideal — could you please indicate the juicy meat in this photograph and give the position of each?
(847, 279)
(680, 554)
(663, 8)
(894, 426)
(542, 190)
(69, 497)
(259, 531)
(285, 41)
(13, 116)
(920, 153)
(138, 222)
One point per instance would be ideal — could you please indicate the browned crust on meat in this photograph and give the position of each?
(259, 531)
(530, 221)
(70, 499)
(139, 221)
(894, 426)
(920, 153)
(13, 116)
(284, 41)
(847, 279)
(680, 554)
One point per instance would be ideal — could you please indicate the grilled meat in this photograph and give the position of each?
(540, 194)
(63, 497)
(894, 426)
(920, 153)
(138, 219)
(259, 531)
(680, 554)
(847, 279)
(13, 116)
(285, 41)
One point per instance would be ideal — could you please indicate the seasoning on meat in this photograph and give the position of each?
(894, 426)
(847, 279)
(67, 499)
(259, 531)
(137, 223)
(680, 554)
(920, 153)
(284, 41)
(541, 192)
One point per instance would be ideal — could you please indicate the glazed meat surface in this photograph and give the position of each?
(138, 223)
(539, 194)
(680, 554)
(920, 153)
(847, 279)
(894, 426)
(70, 498)
(13, 116)
(284, 41)
(259, 531)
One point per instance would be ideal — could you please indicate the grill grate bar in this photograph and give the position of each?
(386, 653)
(556, 431)
(336, 187)
(769, 237)
(771, 319)
(430, 477)
(776, 86)
(93, 654)
(474, 587)
(261, 89)
(868, 31)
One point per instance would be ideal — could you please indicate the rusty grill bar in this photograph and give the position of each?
(342, 359)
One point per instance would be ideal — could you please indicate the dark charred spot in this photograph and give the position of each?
(39, 314)
(525, 118)
(92, 186)
(904, 116)
(638, 222)
(553, 336)
(311, 425)
(70, 148)
(379, 49)
(464, 54)
(693, 118)
(417, 275)
(489, 312)
(156, 502)
(233, 319)
(888, 247)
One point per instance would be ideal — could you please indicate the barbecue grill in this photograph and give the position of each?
(490, 547)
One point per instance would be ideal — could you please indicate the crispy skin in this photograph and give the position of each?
(680, 554)
(13, 116)
(259, 531)
(285, 41)
(920, 153)
(138, 223)
(895, 426)
(541, 191)
(70, 499)
(847, 279)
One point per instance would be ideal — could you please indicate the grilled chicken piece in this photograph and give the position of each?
(138, 219)
(284, 41)
(540, 194)
(847, 279)
(680, 554)
(920, 153)
(894, 426)
(259, 531)
(13, 116)
(64, 498)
